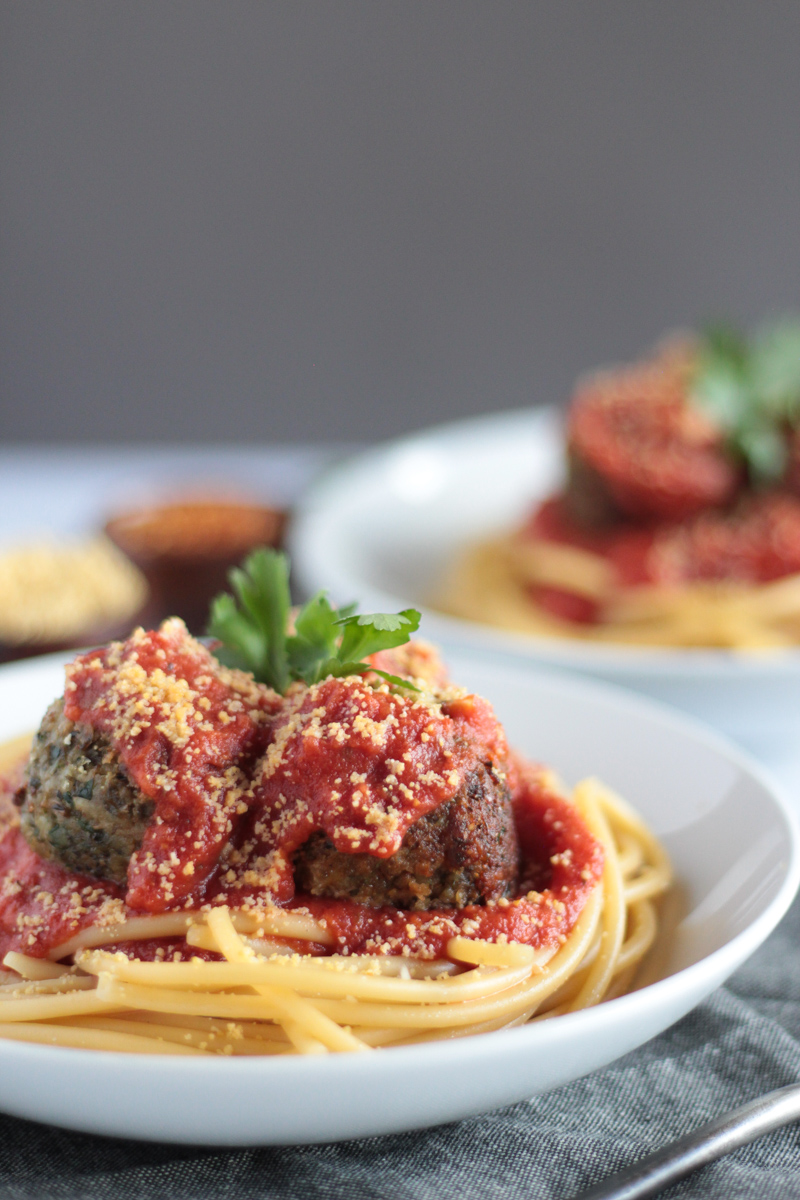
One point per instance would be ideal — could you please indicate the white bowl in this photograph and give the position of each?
(735, 852)
(382, 527)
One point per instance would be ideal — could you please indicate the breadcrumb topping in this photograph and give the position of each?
(184, 728)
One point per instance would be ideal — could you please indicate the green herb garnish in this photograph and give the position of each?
(751, 389)
(253, 629)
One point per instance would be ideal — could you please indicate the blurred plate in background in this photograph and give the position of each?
(383, 528)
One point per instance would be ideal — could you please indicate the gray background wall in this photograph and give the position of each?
(250, 219)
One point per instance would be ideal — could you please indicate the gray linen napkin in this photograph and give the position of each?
(742, 1042)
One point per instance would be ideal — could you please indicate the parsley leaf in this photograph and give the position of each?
(253, 628)
(369, 632)
(252, 632)
(751, 389)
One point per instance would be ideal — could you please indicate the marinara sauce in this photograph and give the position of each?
(186, 730)
(756, 542)
(561, 865)
(241, 778)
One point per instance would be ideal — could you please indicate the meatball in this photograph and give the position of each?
(637, 449)
(463, 852)
(79, 806)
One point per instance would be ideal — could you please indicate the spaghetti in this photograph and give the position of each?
(496, 582)
(665, 532)
(354, 864)
(267, 999)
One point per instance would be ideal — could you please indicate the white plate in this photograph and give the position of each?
(382, 527)
(735, 851)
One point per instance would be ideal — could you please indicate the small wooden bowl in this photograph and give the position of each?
(185, 550)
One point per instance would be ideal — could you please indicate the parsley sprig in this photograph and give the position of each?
(253, 629)
(751, 388)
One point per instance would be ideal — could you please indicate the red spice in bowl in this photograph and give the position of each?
(186, 549)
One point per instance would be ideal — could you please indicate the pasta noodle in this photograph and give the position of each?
(266, 999)
(492, 581)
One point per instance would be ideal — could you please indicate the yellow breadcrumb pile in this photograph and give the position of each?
(52, 593)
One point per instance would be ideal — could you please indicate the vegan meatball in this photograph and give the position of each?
(637, 449)
(463, 852)
(79, 806)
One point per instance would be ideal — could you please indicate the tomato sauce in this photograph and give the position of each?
(757, 542)
(41, 903)
(562, 864)
(626, 547)
(241, 778)
(635, 438)
(185, 731)
(360, 764)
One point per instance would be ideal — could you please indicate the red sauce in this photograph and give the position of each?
(360, 763)
(627, 547)
(757, 542)
(162, 950)
(42, 904)
(658, 458)
(184, 730)
(567, 606)
(562, 864)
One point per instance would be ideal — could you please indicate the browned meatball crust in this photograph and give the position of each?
(463, 852)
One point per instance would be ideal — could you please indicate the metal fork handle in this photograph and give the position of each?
(657, 1171)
